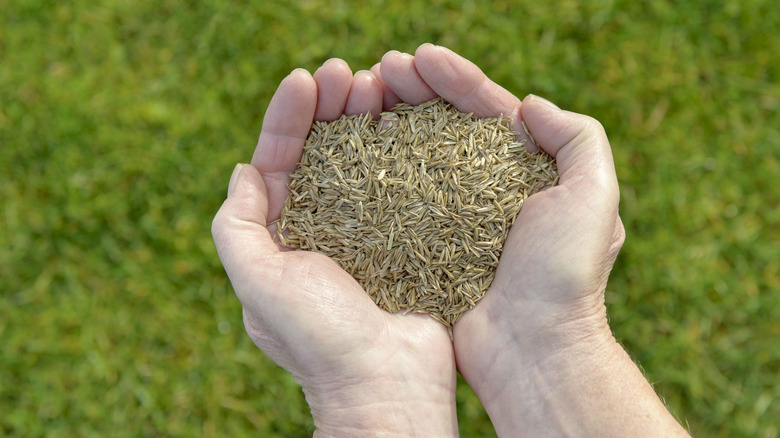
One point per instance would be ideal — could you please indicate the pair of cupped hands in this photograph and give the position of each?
(534, 347)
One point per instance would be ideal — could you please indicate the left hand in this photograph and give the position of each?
(363, 370)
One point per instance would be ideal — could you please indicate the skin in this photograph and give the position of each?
(363, 370)
(537, 350)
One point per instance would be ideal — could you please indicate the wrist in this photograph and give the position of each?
(492, 355)
(500, 338)
(534, 392)
(560, 376)
(402, 403)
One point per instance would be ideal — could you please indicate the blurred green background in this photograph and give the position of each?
(121, 121)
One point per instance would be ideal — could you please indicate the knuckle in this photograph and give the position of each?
(592, 127)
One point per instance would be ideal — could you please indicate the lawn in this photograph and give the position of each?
(120, 123)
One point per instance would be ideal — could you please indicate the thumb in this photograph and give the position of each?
(580, 147)
(239, 228)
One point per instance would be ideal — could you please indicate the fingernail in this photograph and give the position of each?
(234, 177)
(535, 98)
(297, 70)
(392, 53)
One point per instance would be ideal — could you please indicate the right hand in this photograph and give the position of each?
(537, 349)
(546, 303)
(562, 246)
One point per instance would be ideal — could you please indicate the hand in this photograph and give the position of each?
(364, 371)
(537, 349)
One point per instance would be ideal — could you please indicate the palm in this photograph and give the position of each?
(554, 229)
(547, 270)
(327, 324)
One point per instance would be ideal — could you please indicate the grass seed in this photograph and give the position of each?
(415, 206)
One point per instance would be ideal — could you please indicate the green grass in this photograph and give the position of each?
(120, 123)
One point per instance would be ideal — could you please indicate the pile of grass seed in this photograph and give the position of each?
(415, 206)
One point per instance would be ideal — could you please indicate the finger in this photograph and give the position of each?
(400, 74)
(580, 147)
(333, 81)
(365, 95)
(461, 83)
(239, 228)
(285, 127)
(389, 99)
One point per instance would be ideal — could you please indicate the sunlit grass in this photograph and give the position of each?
(120, 123)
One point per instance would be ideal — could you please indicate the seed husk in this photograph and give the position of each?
(416, 206)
